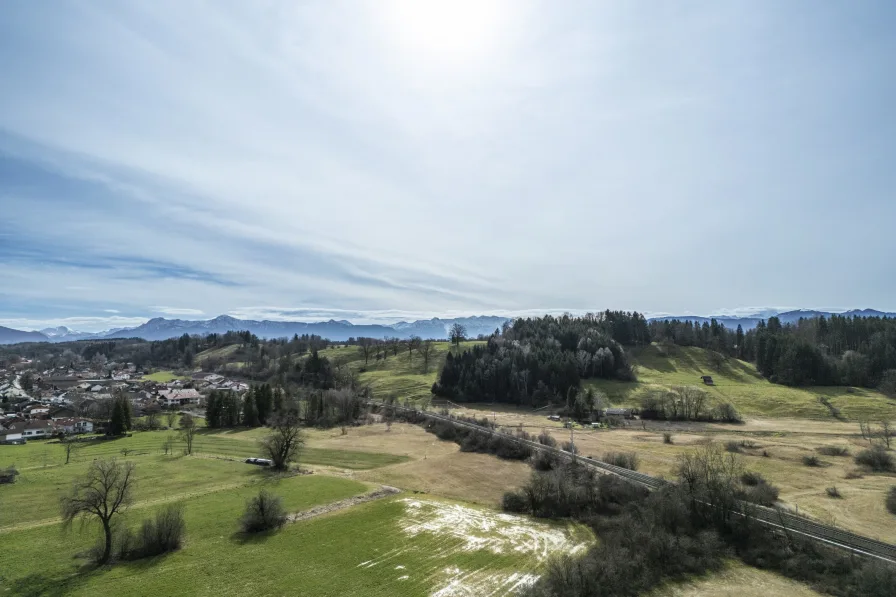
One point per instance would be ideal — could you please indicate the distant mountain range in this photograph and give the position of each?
(160, 328)
(11, 336)
(749, 322)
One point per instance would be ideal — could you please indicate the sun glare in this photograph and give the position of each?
(455, 32)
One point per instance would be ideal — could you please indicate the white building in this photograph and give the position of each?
(179, 397)
(74, 426)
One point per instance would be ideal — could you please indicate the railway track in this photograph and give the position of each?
(770, 516)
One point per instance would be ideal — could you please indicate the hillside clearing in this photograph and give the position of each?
(163, 376)
(738, 382)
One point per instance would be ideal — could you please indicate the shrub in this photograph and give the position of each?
(732, 446)
(545, 439)
(811, 460)
(727, 413)
(877, 459)
(833, 492)
(757, 490)
(515, 501)
(264, 512)
(891, 500)
(627, 460)
(833, 451)
(477, 441)
(505, 447)
(543, 460)
(751, 478)
(747, 443)
(765, 454)
(162, 534)
(853, 474)
(570, 447)
(667, 437)
(763, 493)
(8, 475)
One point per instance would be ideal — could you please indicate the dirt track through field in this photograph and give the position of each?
(378, 494)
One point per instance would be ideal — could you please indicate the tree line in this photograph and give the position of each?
(835, 350)
(261, 405)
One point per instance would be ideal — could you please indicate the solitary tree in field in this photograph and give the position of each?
(106, 490)
(283, 444)
(188, 430)
(152, 416)
(70, 445)
(457, 333)
(425, 351)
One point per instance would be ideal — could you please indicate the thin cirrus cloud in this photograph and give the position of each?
(339, 158)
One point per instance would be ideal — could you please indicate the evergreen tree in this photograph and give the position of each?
(117, 422)
(264, 399)
(213, 410)
(127, 413)
(250, 413)
(277, 404)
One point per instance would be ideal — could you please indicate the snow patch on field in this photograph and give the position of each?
(459, 583)
(482, 529)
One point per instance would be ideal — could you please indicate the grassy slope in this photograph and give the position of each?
(39, 561)
(397, 375)
(363, 550)
(43, 476)
(739, 383)
(163, 376)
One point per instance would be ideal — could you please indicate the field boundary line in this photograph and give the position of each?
(378, 494)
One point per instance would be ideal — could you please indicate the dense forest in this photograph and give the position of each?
(536, 361)
(854, 351)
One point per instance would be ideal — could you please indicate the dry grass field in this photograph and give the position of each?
(784, 443)
(737, 580)
(435, 467)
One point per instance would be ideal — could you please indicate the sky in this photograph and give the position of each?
(391, 159)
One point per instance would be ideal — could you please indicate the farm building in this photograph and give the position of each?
(179, 397)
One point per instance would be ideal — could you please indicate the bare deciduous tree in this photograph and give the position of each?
(106, 490)
(365, 347)
(188, 430)
(425, 351)
(152, 416)
(283, 444)
(457, 333)
(70, 445)
(886, 431)
(171, 417)
(413, 344)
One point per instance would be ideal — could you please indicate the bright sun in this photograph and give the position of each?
(455, 32)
